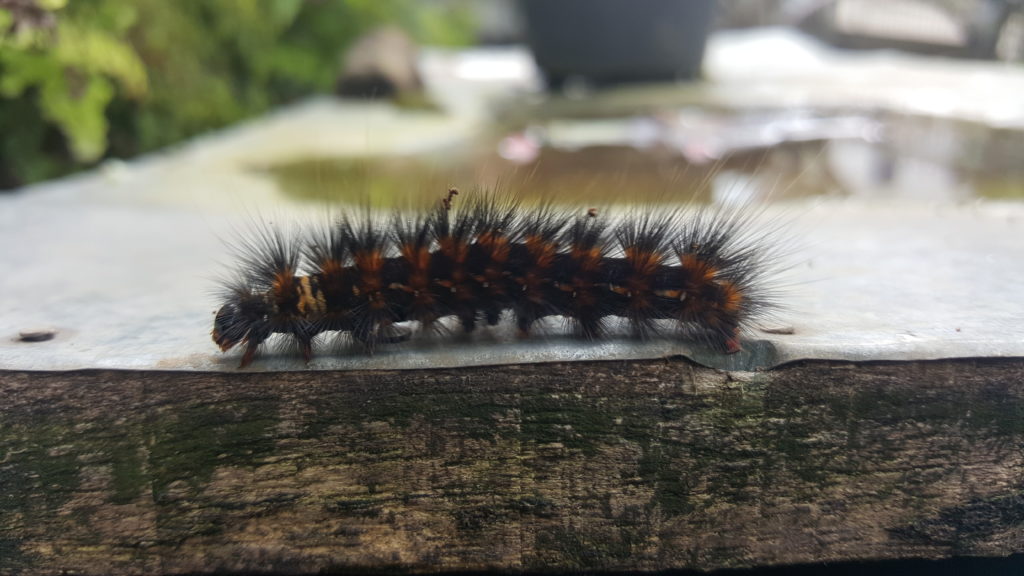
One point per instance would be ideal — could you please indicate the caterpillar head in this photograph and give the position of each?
(242, 318)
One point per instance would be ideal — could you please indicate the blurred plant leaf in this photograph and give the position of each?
(80, 115)
(96, 53)
(121, 77)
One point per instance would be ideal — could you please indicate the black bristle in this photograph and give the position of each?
(476, 258)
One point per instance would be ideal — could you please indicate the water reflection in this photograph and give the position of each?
(695, 155)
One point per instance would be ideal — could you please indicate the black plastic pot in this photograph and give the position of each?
(618, 41)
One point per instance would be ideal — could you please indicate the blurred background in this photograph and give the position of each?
(584, 98)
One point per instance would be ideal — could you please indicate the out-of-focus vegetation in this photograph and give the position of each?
(88, 79)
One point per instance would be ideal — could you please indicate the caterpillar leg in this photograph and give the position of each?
(729, 340)
(306, 347)
(523, 323)
(389, 334)
(732, 345)
(468, 321)
(250, 352)
(492, 315)
(589, 328)
(256, 336)
(721, 331)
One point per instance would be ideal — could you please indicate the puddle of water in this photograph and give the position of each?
(692, 156)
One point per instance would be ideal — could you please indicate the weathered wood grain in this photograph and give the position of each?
(615, 465)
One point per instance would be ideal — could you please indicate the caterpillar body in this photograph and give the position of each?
(703, 273)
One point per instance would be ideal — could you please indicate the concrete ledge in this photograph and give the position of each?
(632, 465)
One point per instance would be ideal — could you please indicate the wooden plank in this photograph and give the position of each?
(638, 465)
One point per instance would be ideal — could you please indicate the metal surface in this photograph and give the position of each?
(132, 287)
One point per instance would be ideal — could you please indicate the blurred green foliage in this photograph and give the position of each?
(87, 79)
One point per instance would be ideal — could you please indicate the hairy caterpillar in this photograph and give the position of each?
(703, 273)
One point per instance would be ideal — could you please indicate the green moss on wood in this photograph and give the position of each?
(579, 466)
(189, 444)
